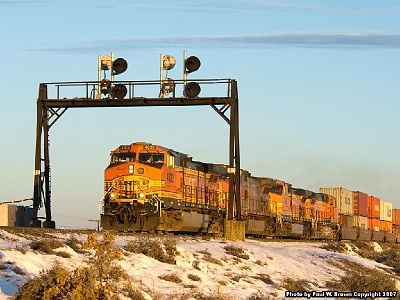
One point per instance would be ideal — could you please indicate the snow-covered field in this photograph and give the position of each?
(223, 275)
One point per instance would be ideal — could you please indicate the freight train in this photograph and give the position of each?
(151, 188)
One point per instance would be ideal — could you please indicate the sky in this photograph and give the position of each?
(276, 260)
(318, 90)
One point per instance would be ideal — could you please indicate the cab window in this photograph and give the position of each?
(122, 157)
(151, 157)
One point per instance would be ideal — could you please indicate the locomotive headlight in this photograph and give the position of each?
(112, 195)
(130, 171)
(141, 195)
(131, 167)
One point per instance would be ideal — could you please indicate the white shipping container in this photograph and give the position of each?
(13, 215)
(360, 221)
(8, 214)
(344, 199)
(386, 213)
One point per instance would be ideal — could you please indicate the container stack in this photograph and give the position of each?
(360, 218)
(374, 213)
(396, 220)
(386, 217)
(345, 204)
(360, 210)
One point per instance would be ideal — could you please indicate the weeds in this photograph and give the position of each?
(100, 279)
(22, 249)
(264, 278)
(208, 257)
(171, 277)
(161, 250)
(295, 285)
(193, 277)
(236, 251)
(362, 279)
(46, 246)
(19, 271)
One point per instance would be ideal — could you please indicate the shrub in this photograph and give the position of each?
(171, 277)
(62, 254)
(22, 249)
(74, 244)
(194, 277)
(264, 278)
(100, 279)
(46, 245)
(161, 250)
(208, 257)
(236, 251)
(19, 271)
(295, 285)
(362, 279)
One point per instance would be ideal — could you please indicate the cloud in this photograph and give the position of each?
(327, 40)
(21, 2)
(323, 7)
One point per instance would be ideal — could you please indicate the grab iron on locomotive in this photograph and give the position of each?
(156, 189)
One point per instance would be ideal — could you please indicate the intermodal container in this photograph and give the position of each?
(360, 222)
(396, 216)
(385, 211)
(385, 226)
(396, 228)
(13, 215)
(346, 221)
(344, 199)
(360, 203)
(374, 224)
(374, 207)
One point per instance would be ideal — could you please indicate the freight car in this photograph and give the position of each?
(156, 189)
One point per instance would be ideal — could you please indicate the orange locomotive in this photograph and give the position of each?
(152, 188)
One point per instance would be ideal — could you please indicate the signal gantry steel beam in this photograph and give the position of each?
(49, 110)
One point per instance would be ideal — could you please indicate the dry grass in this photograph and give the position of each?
(236, 251)
(161, 249)
(362, 279)
(102, 278)
(171, 277)
(295, 285)
(46, 246)
(264, 278)
(208, 257)
(194, 277)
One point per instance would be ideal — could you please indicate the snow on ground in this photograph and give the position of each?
(229, 276)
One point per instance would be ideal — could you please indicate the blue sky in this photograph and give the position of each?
(319, 91)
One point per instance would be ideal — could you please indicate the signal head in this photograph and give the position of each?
(119, 66)
(192, 89)
(119, 91)
(192, 64)
(168, 62)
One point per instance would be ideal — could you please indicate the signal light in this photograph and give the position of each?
(119, 66)
(192, 89)
(168, 62)
(106, 86)
(119, 91)
(167, 85)
(192, 64)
